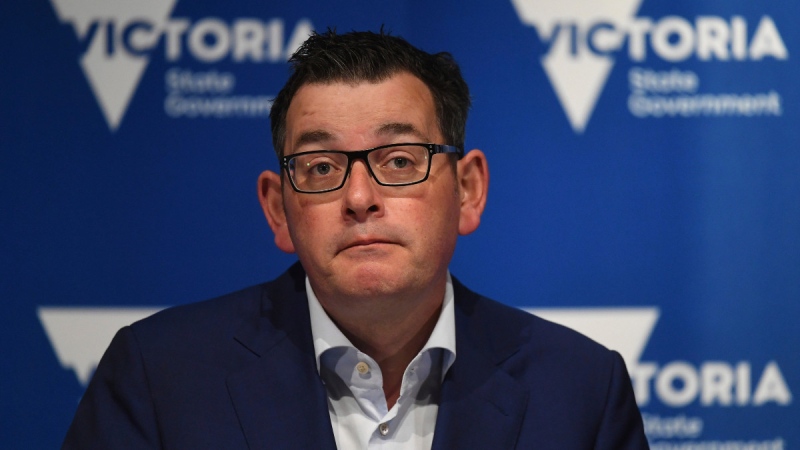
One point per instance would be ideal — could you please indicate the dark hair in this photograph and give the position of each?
(367, 56)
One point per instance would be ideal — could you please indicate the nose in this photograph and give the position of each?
(361, 196)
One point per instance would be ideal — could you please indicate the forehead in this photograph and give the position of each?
(361, 115)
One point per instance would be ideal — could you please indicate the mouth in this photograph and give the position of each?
(365, 244)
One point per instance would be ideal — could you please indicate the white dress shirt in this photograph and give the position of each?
(356, 401)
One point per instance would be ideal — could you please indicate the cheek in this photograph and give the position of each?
(305, 225)
(434, 221)
(302, 210)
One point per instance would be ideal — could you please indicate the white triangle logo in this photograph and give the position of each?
(626, 330)
(111, 70)
(80, 335)
(576, 73)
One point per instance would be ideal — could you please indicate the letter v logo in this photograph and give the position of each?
(626, 330)
(112, 71)
(579, 36)
(80, 335)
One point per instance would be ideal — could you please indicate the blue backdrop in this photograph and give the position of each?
(644, 158)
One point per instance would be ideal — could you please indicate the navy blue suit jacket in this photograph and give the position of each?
(239, 372)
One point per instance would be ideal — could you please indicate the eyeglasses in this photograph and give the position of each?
(321, 171)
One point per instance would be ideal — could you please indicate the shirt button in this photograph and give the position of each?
(384, 429)
(362, 368)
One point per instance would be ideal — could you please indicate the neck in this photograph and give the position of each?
(392, 336)
(394, 350)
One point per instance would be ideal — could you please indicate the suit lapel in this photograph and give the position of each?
(279, 398)
(481, 405)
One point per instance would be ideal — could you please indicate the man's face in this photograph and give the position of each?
(367, 241)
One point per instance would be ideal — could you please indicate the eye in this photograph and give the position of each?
(399, 158)
(316, 165)
(321, 169)
(319, 166)
(399, 162)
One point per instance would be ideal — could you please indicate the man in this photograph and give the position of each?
(368, 342)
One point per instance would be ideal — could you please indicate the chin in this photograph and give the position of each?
(376, 282)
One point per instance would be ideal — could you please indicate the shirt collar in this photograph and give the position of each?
(327, 335)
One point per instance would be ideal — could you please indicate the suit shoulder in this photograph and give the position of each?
(507, 327)
(196, 326)
(203, 330)
(208, 314)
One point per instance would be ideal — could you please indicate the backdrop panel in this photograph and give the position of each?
(644, 158)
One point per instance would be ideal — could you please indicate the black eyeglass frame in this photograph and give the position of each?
(433, 149)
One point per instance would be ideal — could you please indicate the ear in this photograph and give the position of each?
(473, 187)
(270, 194)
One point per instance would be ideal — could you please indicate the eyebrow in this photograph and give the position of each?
(400, 128)
(313, 137)
(386, 130)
